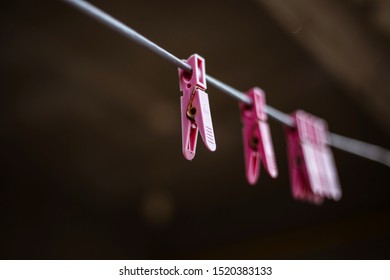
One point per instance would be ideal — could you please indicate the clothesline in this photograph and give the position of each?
(353, 146)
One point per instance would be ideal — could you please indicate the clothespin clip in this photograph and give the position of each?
(195, 108)
(330, 186)
(257, 137)
(312, 170)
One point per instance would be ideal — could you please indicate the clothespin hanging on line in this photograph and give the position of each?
(257, 137)
(313, 172)
(195, 108)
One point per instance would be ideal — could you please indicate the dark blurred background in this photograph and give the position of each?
(90, 138)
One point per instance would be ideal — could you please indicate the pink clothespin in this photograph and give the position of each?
(257, 137)
(325, 160)
(303, 167)
(195, 108)
(312, 171)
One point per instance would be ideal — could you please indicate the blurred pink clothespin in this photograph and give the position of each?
(195, 108)
(257, 137)
(330, 186)
(313, 174)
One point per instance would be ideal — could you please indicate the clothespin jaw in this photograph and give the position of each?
(257, 137)
(195, 108)
(312, 171)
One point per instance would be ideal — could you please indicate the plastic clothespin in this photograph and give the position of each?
(195, 108)
(330, 186)
(257, 137)
(312, 170)
(303, 167)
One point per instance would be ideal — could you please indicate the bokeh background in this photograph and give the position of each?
(90, 139)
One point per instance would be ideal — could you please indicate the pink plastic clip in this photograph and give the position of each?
(257, 137)
(195, 108)
(325, 160)
(312, 170)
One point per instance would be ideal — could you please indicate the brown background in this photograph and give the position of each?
(90, 140)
